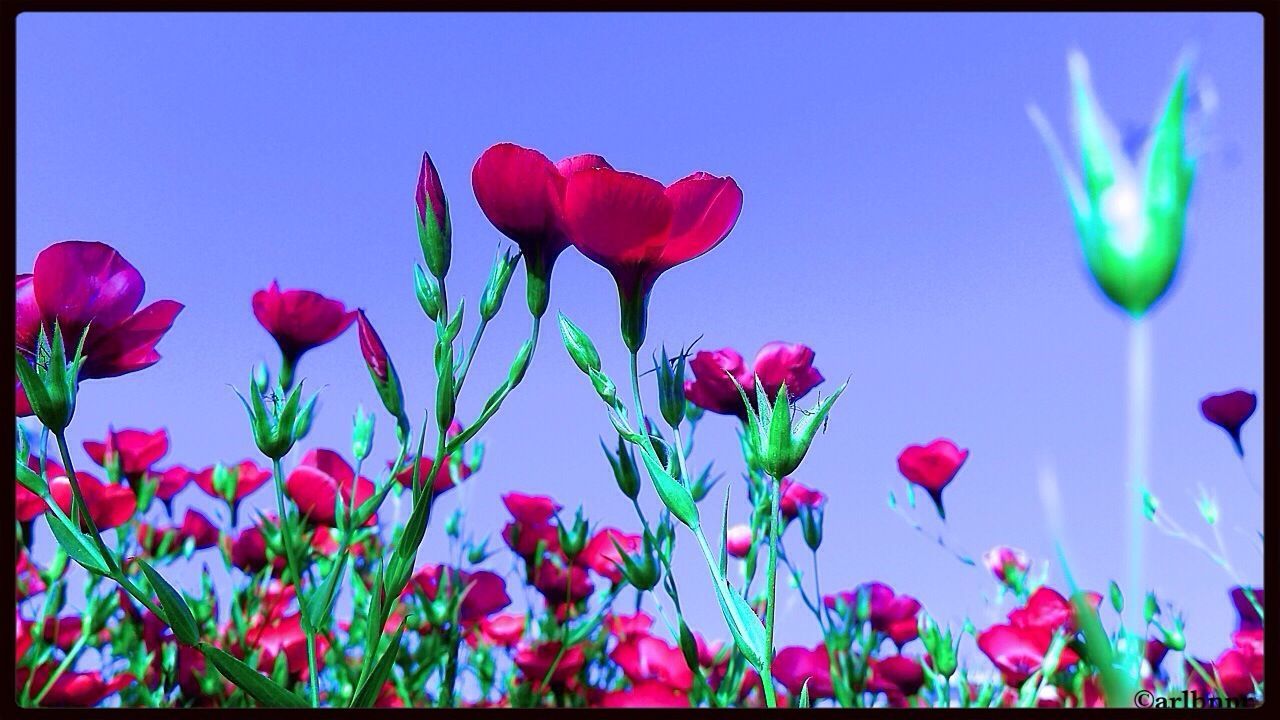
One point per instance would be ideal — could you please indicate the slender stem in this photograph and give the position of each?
(471, 353)
(1138, 449)
(771, 606)
(312, 675)
(287, 533)
(64, 665)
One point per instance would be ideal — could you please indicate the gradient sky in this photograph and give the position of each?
(901, 217)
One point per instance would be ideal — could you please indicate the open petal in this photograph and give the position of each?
(80, 282)
(616, 218)
(704, 210)
(130, 345)
(519, 190)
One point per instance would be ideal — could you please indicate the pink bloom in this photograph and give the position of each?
(28, 578)
(649, 694)
(739, 540)
(522, 194)
(1019, 651)
(136, 450)
(443, 476)
(27, 505)
(623, 627)
(535, 661)
(1007, 564)
(646, 658)
(249, 477)
(637, 229)
(776, 364)
(197, 527)
(894, 615)
(284, 636)
(932, 467)
(1047, 609)
(74, 689)
(1230, 411)
(531, 525)
(600, 555)
(319, 479)
(897, 675)
(1238, 669)
(502, 630)
(796, 496)
(483, 593)
(560, 585)
(299, 320)
(90, 285)
(172, 481)
(794, 665)
(110, 506)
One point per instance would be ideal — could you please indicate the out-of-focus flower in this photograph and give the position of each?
(172, 481)
(776, 364)
(245, 478)
(1047, 609)
(1008, 565)
(1019, 651)
(299, 320)
(796, 496)
(531, 524)
(1249, 618)
(645, 658)
(739, 540)
(896, 676)
(889, 613)
(249, 552)
(794, 665)
(483, 593)
(28, 581)
(1230, 411)
(319, 479)
(441, 477)
(26, 504)
(559, 584)
(195, 527)
(1238, 669)
(637, 229)
(501, 630)
(135, 450)
(534, 661)
(649, 694)
(74, 689)
(110, 506)
(284, 636)
(932, 467)
(522, 194)
(601, 555)
(81, 285)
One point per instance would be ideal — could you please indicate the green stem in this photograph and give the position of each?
(63, 666)
(771, 606)
(287, 367)
(288, 534)
(471, 353)
(312, 675)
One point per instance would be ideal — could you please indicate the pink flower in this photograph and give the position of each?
(1230, 411)
(283, 636)
(646, 658)
(893, 615)
(637, 229)
(443, 476)
(623, 627)
(318, 480)
(136, 450)
(483, 593)
(561, 585)
(28, 505)
(535, 662)
(776, 364)
(796, 496)
(74, 689)
(794, 665)
(739, 540)
(1007, 564)
(90, 285)
(1019, 651)
(248, 477)
(932, 467)
(649, 694)
(896, 675)
(110, 506)
(600, 555)
(1047, 609)
(531, 525)
(172, 481)
(522, 194)
(502, 630)
(299, 320)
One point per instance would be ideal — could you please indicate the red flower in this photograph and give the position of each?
(560, 585)
(110, 506)
(375, 353)
(483, 592)
(897, 674)
(646, 658)
(522, 194)
(1229, 411)
(794, 665)
(249, 477)
(1047, 609)
(600, 555)
(625, 626)
(136, 450)
(28, 578)
(74, 689)
(318, 480)
(62, 632)
(172, 481)
(26, 504)
(650, 694)
(1007, 564)
(442, 478)
(1018, 651)
(197, 527)
(89, 285)
(932, 467)
(894, 615)
(502, 630)
(1249, 619)
(299, 320)
(249, 551)
(795, 496)
(535, 662)
(776, 364)
(739, 540)
(637, 229)
(1238, 669)
(284, 635)
(531, 525)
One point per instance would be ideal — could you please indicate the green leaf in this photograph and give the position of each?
(804, 694)
(76, 544)
(368, 692)
(178, 614)
(320, 603)
(257, 685)
(31, 480)
(748, 632)
(673, 494)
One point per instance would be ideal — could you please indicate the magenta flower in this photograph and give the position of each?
(1247, 614)
(81, 285)
(248, 477)
(738, 540)
(1017, 652)
(776, 364)
(600, 554)
(889, 613)
(898, 676)
(796, 496)
(645, 658)
(1007, 564)
(1230, 411)
(637, 229)
(648, 694)
(320, 477)
(1047, 609)
(110, 506)
(299, 320)
(794, 665)
(483, 593)
(172, 482)
(522, 194)
(932, 467)
(136, 450)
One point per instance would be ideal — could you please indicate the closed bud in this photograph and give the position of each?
(52, 381)
(688, 646)
(581, 349)
(573, 538)
(811, 525)
(428, 292)
(671, 398)
(477, 554)
(625, 472)
(496, 288)
(1174, 638)
(1117, 597)
(604, 387)
(381, 370)
(1150, 609)
(453, 524)
(261, 375)
(225, 480)
(434, 230)
(362, 434)
(520, 365)
(641, 569)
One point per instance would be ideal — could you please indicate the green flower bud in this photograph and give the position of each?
(773, 440)
(580, 348)
(51, 383)
(671, 398)
(428, 292)
(574, 538)
(520, 365)
(1117, 597)
(625, 472)
(811, 525)
(496, 287)
(362, 434)
(688, 646)
(276, 430)
(640, 570)
(1151, 609)
(435, 232)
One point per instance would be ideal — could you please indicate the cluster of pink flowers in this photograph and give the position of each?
(538, 620)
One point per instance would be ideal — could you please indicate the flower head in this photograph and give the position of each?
(135, 450)
(319, 480)
(932, 467)
(1230, 411)
(775, 365)
(299, 320)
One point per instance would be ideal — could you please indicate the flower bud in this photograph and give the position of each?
(688, 646)
(604, 387)
(453, 524)
(496, 288)
(581, 349)
(381, 370)
(671, 398)
(625, 472)
(1151, 608)
(276, 430)
(434, 230)
(641, 569)
(51, 383)
(428, 292)
(1117, 597)
(811, 524)
(362, 434)
(520, 365)
(573, 539)
(261, 374)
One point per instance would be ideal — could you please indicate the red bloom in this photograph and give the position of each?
(484, 593)
(522, 194)
(531, 525)
(894, 615)
(62, 632)
(249, 551)
(249, 477)
(28, 579)
(172, 481)
(560, 585)
(1047, 609)
(651, 694)
(502, 630)
(1238, 669)
(136, 450)
(1007, 564)
(284, 635)
(637, 229)
(794, 665)
(89, 285)
(795, 496)
(600, 555)
(1229, 411)
(535, 661)
(932, 467)
(647, 658)
(1018, 651)
(318, 480)
(299, 320)
(897, 674)
(776, 364)
(110, 506)
(26, 504)
(625, 626)
(197, 527)
(74, 689)
(443, 478)
(739, 540)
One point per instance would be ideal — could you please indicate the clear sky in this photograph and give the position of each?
(901, 216)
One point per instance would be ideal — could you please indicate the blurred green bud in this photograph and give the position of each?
(261, 374)
(362, 434)
(640, 569)
(573, 538)
(688, 646)
(1208, 507)
(671, 398)
(1174, 638)
(811, 524)
(1149, 505)
(1117, 597)
(477, 554)
(702, 484)
(580, 348)
(428, 292)
(225, 481)
(453, 524)
(1150, 609)
(496, 287)
(624, 468)
(50, 380)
